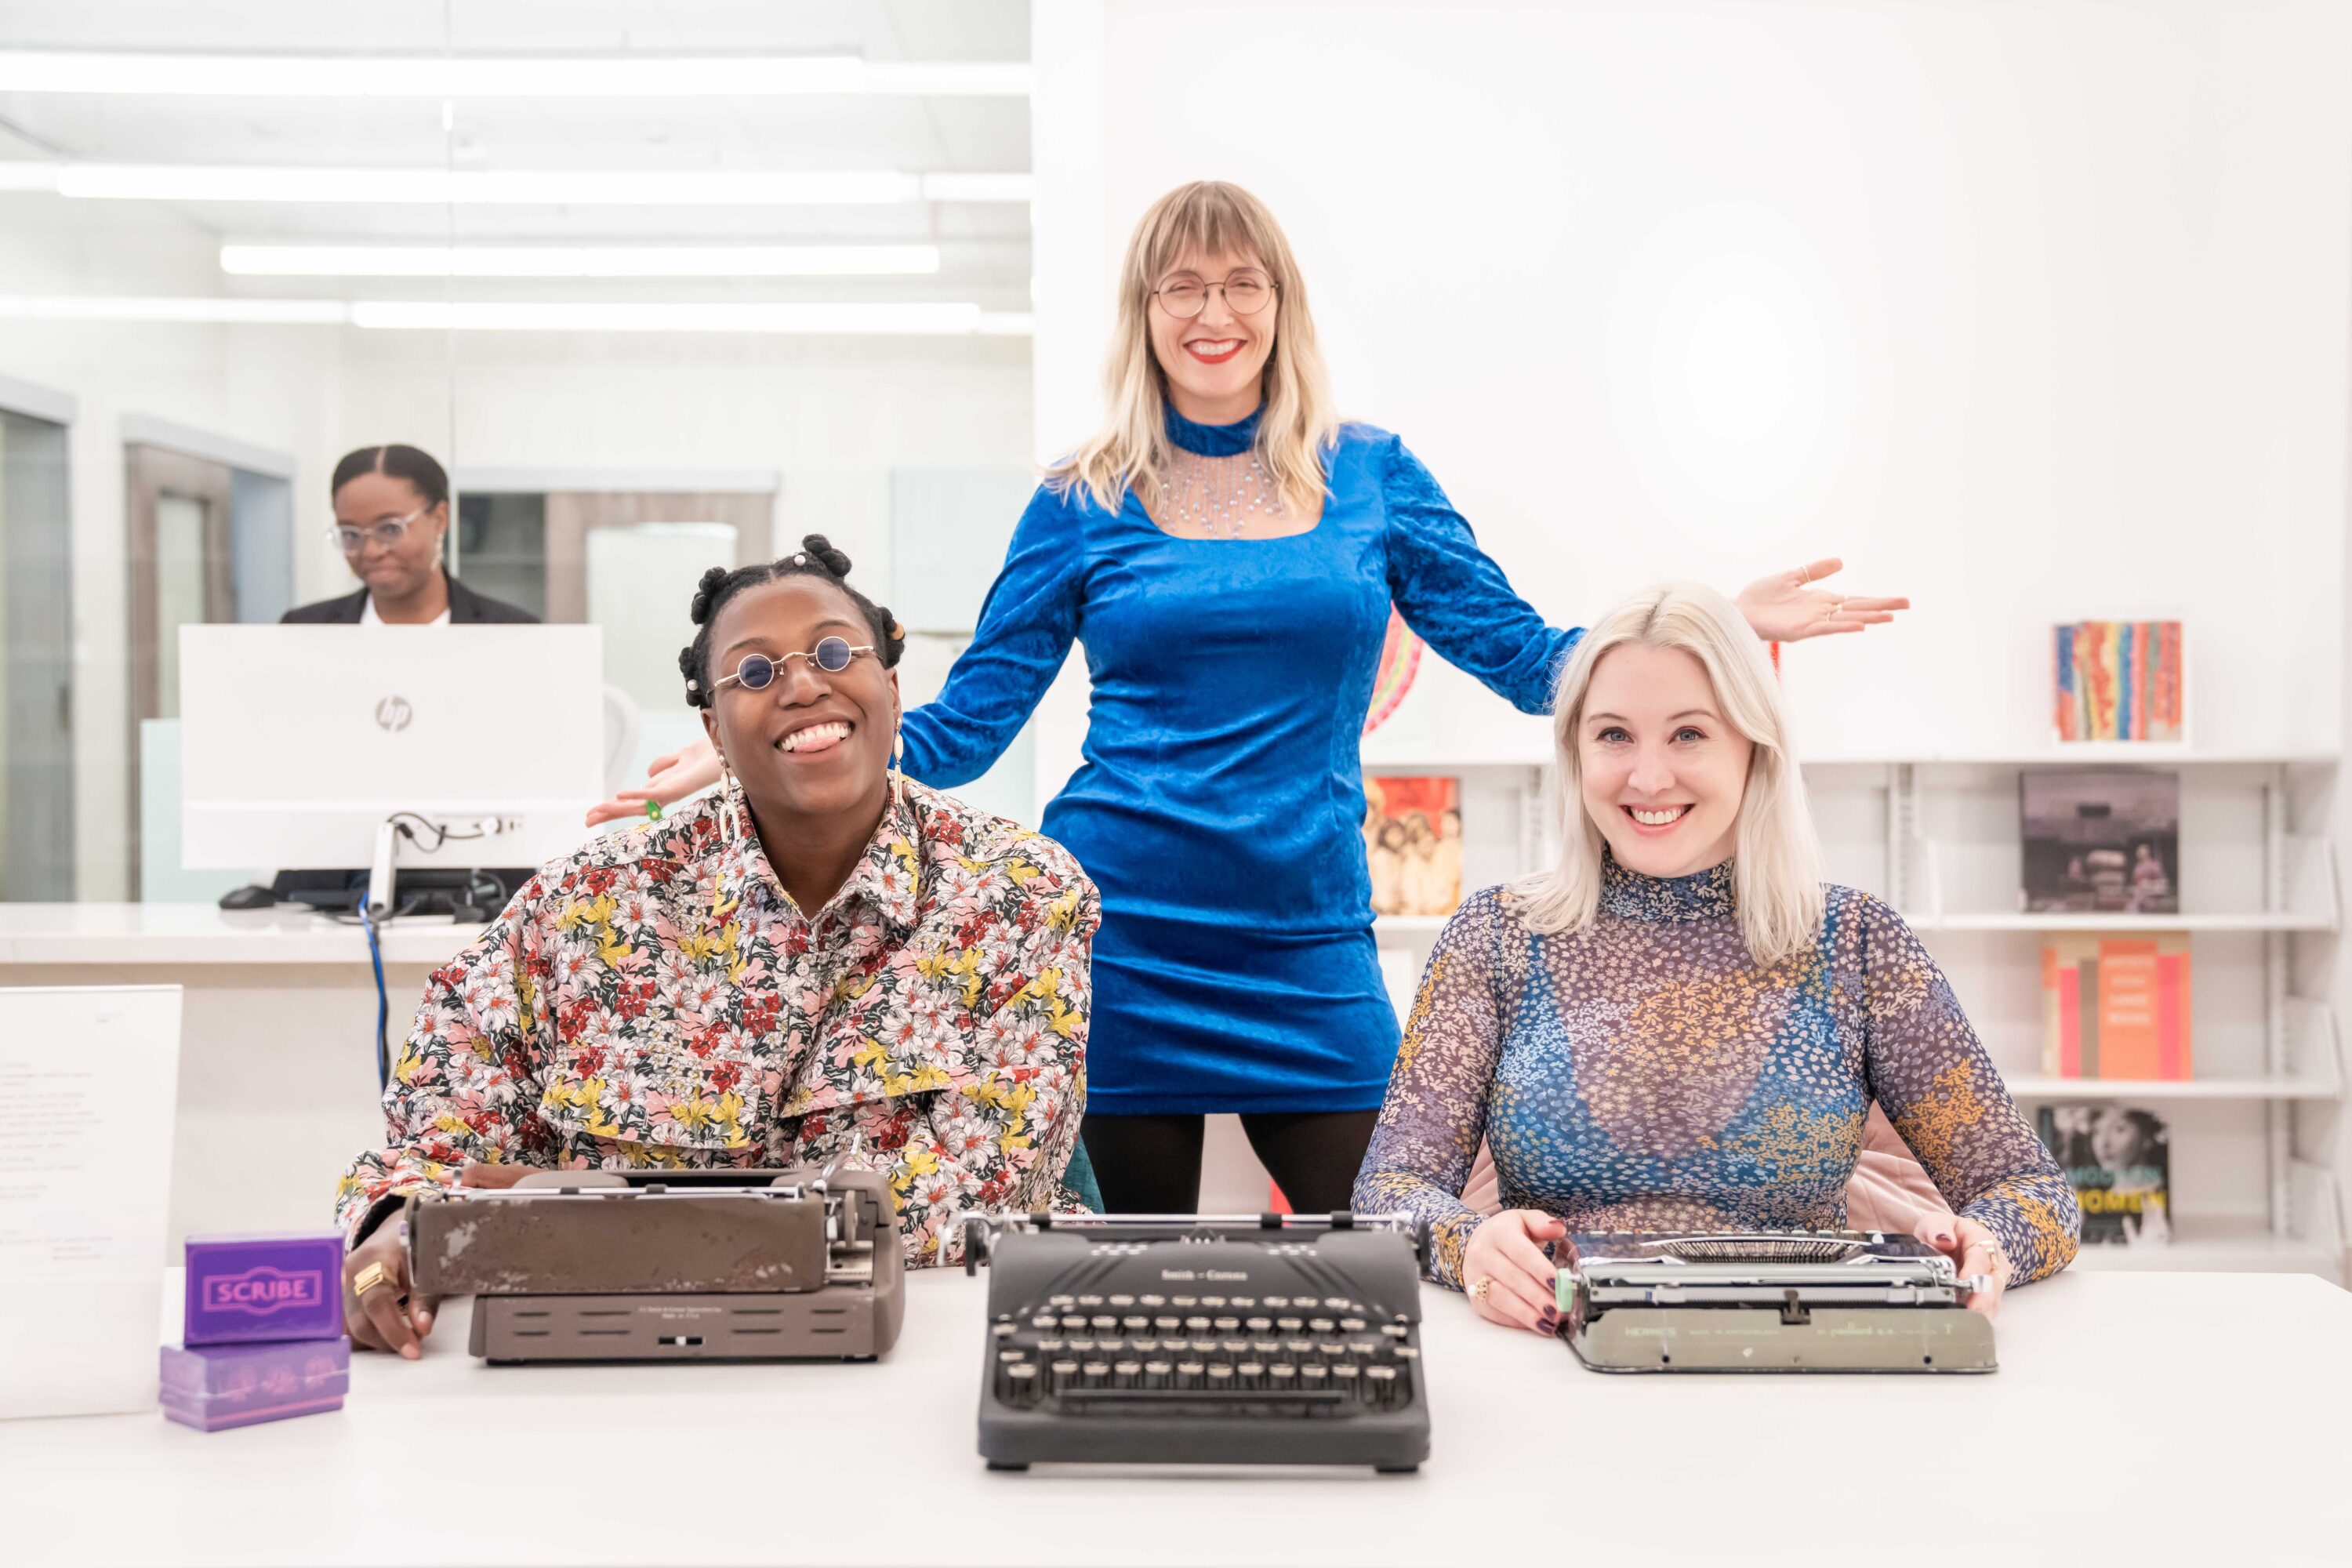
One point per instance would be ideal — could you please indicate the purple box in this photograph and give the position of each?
(246, 1288)
(212, 1387)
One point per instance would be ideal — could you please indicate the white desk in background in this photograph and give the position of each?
(277, 1085)
(2140, 1419)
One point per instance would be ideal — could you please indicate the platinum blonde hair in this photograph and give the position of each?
(1131, 452)
(1777, 865)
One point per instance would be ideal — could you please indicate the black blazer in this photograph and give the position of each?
(466, 608)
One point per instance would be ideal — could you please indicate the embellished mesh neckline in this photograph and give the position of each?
(1214, 440)
(1701, 896)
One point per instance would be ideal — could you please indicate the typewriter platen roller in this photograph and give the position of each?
(668, 1264)
(1774, 1301)
(1282, 1340)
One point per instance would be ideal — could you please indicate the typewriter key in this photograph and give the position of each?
(1082, 1346)
(1277, 1301)
(1212, 1300)
(1045, 1347)
(1122, 1301)
(1101, 1369)
(1147, 1346)
(1299, 1347)
(1320, 1325)
(1337, 1303)
(1164, 1323)
(1065, 1369)
(1395, 1331)
(1156, 1372)
(1265, 1347)
(1191, 1370)
(1352, 1325)
(1260, 1325)
(1205, 1347)
(1243, 1302)
(1111, 1346)
(1221, 1375)
(1363, 1347)
(1314, 1374)
(1004, 1330)
(1061, 1301)
(1236, 1347)
(1289, 1325)
(1282, 1372)
(1252, 1369)
(1183, 1301)
(1196, 1324)
(1227, 1325)
(1346, 1371)
(1332, 1347)
(1151, 1300)
(1135, 1324)
(1128, 1370)
(1016, 1354)
(1105, 1322)
(1090, 1301)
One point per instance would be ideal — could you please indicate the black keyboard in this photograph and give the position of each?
(1182, 1340)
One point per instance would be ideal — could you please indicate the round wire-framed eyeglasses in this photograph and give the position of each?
(831, 654)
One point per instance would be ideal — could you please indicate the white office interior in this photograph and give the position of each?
(2033, 312)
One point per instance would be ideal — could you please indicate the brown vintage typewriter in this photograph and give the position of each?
(1769, 1302)
(797, 1264)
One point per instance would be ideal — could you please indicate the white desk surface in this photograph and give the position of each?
(2138, 1419)
(126, 934)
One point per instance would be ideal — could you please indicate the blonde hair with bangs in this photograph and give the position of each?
(1131, 452)
(1777, 861)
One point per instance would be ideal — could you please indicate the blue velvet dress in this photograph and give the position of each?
(1221, 804)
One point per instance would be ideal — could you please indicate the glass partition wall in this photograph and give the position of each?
(647, 329)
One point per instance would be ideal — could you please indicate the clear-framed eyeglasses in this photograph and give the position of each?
(758, 671)
(1246, 293)
(384, 530)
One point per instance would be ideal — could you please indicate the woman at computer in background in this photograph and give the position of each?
(1681, 1027)
(1228, 549)
(822, 954)
(392, 513)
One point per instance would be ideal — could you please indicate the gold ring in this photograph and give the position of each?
(368, 1279)
(1481, 1288)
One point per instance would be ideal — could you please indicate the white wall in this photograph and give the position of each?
(2028, 311)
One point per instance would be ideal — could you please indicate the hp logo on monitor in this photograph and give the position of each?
(393, 714)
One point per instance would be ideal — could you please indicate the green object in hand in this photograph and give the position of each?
(653, 811)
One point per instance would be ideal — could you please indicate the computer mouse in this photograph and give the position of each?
(252, 896)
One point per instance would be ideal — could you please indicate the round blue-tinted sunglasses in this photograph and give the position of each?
(757, 671)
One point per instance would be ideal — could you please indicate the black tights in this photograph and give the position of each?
(1151, 1164)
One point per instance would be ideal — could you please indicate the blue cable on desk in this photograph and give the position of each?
(382, 1005)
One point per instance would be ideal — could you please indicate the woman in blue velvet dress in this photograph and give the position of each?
(1227, 551)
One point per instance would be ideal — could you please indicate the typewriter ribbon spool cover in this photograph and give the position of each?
(691, 1265)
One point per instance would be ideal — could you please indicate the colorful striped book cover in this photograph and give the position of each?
(2117, 681)
(2115, 1008)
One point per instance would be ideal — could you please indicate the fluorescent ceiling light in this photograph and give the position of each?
(531, 316)
(200, 308)
(197, 74)
(560, 316)
(542, 188)
(578, 260)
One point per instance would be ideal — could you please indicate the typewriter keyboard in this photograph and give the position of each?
(1211, 1355)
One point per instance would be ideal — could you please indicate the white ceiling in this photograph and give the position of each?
(984, 247)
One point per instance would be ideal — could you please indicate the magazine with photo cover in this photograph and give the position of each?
(2119, 1159)
(1413, 845)
(2100, 841)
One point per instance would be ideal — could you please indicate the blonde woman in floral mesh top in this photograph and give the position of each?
(819, 952)
(1683, 1027)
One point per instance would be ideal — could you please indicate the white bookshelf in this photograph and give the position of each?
(1937, 836)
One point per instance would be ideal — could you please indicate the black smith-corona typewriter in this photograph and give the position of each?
(788, 1265)
(1280, 1339)
(1774, 1301)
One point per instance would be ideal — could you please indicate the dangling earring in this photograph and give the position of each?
(898, 760)
(729, 822)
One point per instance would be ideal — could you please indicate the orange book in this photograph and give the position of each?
(2127, 1024)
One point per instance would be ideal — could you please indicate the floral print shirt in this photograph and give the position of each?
(1645, 1074)
(656, 999)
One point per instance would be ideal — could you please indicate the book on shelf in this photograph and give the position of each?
(2115, 1007)
(2100, 840)
(1412, 844)
(2118, 1160)
(2118, 681)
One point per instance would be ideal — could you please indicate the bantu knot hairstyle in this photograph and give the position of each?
(816, 557)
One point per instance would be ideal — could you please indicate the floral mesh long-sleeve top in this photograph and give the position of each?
(657, 999)
(1645, 1074)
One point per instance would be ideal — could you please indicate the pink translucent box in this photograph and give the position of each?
(244, 1287)
(212, 1387)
